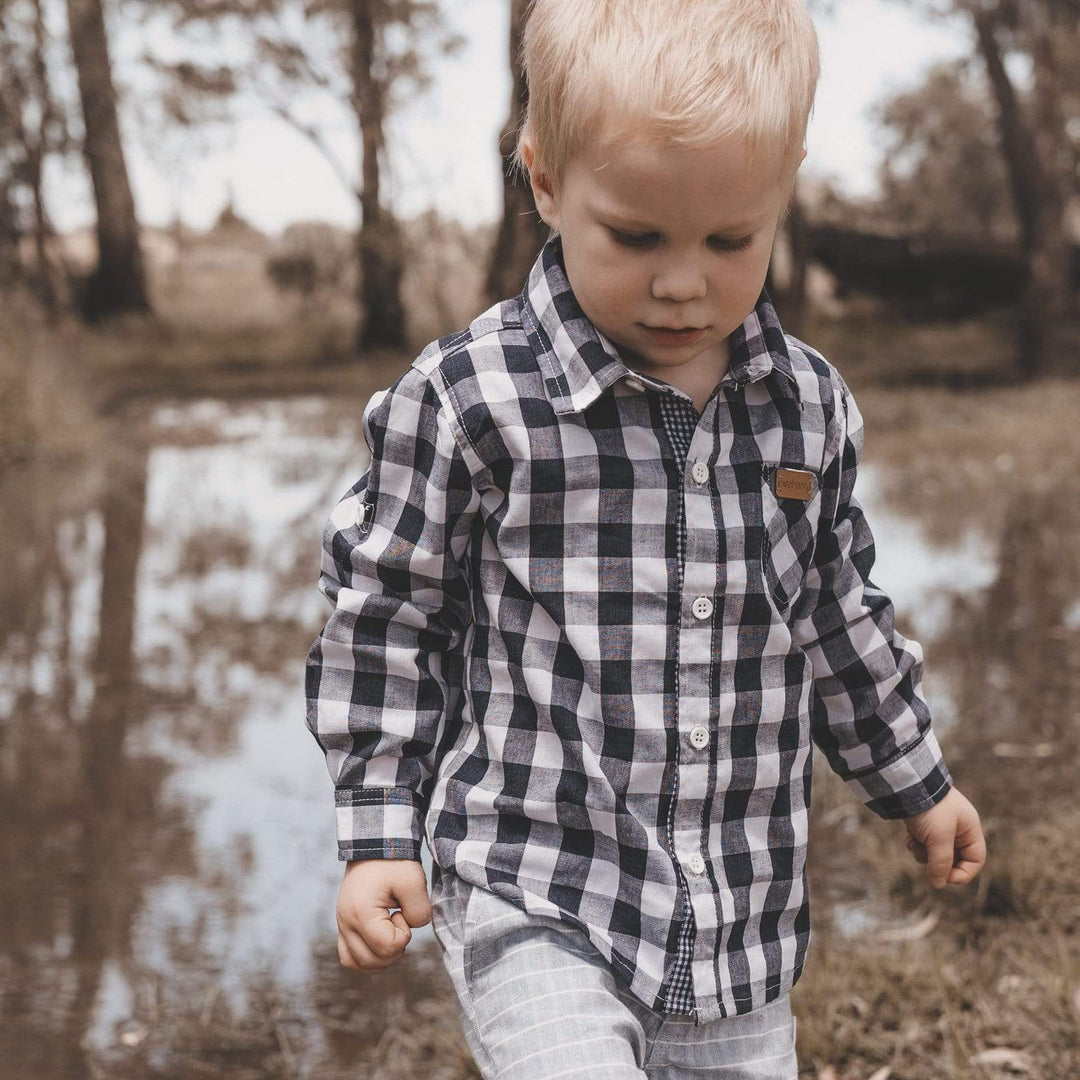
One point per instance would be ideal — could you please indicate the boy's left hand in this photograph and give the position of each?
(949, 839)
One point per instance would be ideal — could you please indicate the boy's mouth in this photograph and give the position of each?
(666, 335)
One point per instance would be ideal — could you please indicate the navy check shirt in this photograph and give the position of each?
(584, 640)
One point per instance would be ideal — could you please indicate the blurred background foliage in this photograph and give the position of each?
(978, 174)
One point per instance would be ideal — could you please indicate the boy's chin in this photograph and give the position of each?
(633, 357)
(659, 357)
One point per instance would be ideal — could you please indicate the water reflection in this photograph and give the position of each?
(166, 821)
(159, 788)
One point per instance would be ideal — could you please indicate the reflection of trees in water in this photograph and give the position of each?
(88, 834)
(1011, 656)
(194, 690)
(1000, 469)
(395, 1026)
(83, 833)
(1006, 660)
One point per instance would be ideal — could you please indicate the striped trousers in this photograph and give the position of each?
(538, 1002)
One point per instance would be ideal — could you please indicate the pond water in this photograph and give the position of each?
(168, 823)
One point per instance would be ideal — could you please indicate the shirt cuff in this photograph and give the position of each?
(378, 823)
(913, 781)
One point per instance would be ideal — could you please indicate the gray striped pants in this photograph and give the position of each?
(538, 1002)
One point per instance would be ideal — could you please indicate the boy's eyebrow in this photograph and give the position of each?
(629, 222)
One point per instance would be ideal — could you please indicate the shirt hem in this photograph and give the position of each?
(762, 993)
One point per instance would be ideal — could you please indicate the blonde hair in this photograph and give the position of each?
(689, 71)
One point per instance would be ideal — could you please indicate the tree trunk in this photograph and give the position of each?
(10, 257)
(27, 97)
(1033, 150)
(790, 299)
(118, 283)
(380, 249)
(36, 150)
(1048, 292)
(522, 232)
(800, 259)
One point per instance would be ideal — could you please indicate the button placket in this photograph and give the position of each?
(702, 583)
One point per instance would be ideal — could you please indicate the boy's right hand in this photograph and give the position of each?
(369, 937)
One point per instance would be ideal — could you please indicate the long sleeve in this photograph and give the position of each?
(384, 674)
(868, 716)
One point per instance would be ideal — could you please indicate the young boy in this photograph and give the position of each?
(606, 583)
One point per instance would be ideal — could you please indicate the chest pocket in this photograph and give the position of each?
(790, 523)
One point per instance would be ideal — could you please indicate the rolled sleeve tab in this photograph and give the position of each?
(912, 782)
(378, 823)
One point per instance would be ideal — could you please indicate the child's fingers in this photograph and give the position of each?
(964, 871)
(354, 954)
(373, 944)
(363, 956)
(917, 850)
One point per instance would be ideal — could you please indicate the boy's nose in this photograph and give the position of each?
(679, 285)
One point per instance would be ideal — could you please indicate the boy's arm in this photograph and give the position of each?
(384, 674)
(868, 715)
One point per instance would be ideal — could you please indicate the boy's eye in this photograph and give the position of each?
(635, 240)
(734, 245)
(643, 240)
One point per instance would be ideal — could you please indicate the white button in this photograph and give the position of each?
(700, 472)
(696, 864)
(699, 736)
(702, 607)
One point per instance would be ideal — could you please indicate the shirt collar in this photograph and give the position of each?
(579, 362)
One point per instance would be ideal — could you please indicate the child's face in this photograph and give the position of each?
(665, 236)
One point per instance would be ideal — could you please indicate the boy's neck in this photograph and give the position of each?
(697, 377)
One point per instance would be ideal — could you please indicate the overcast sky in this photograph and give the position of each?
(443, 146)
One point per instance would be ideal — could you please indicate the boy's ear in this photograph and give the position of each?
(541, 187)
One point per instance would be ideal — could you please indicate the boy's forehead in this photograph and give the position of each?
(645, 183)
(639, 219)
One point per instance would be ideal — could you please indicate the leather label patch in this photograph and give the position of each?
(794, 484)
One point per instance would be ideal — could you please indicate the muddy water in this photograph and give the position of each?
(166, 819)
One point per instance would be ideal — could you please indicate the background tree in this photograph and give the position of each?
(118, 283)
(33, 125)
(1038, 151)
(380, 253)
(369, 55)
(789, 295)
(942, 171)
(378, 71)
(311, 261)
(521, 231)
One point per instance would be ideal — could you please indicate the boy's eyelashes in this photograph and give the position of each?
(644, 240)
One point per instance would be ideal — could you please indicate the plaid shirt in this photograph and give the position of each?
(582, 646)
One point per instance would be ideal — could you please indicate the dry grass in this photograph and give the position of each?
(988, 986)
(44, 406)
